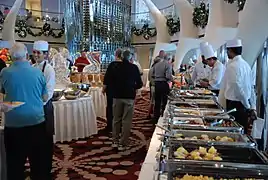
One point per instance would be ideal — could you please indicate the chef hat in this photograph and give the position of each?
(40, 45)
(202, 45)
(234, 43)
(5, 44)
(208, 52)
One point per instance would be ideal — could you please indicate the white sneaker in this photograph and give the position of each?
(123, 148)
(115, 145)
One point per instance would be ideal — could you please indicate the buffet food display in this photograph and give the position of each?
(200, 141)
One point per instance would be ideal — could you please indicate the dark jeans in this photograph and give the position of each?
(109, 112)
(49, 121)
(241, 114)
(27, 142)
(161, 97)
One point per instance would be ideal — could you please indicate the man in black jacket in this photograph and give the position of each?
(124, 79)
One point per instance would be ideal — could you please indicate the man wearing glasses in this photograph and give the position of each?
(40, 55)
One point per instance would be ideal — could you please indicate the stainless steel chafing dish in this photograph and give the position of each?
(177, 171)
(238, 156)
(195, 104)
(210, 137)
(186, 123)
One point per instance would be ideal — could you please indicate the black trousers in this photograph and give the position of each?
(50, 131)
(241, 114)
(161, 96)
(109, 112)
(26, 142)
(262, 113)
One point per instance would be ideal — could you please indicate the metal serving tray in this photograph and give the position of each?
(194, 121)
(239, 139)
(184, 104)
(187, 112)
(235, 127)
(235, 155)
(178, 171)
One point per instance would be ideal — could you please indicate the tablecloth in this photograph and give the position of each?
(2, 155)
(74, 119)
(150, 164)
(99, 101)
(145, 77)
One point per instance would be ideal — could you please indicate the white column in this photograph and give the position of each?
(188, 38)
(253, 28)
(9, 24)
(222, 23)
(162, 37)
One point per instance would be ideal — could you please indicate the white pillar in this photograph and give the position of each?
(9, 24)
(162, 37)
(222, 23)
(253, 29)
(188, 38)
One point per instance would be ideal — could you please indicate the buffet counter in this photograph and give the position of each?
(196, 138)
(149, 166)
(74, 119)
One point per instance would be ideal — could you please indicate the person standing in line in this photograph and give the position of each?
(201, 70)
(25, 129)
(126, 80)
(217, 71)
(237, 87)
(40, 54)
(162, 75)
(107, 88)
(152, 87)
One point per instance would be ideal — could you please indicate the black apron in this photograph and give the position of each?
(49, 113)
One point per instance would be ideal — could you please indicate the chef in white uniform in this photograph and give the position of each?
(237, 88)
(201, 69)
(217, 71)
(40, 54)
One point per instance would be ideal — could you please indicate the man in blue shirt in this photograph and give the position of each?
(25, 130)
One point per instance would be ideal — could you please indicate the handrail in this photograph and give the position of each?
(32, 10)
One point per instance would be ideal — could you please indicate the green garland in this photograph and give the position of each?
(22, 29)
(200, 15)
(147, 32)
(240, 3)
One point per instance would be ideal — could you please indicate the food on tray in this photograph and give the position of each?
(207, 91)
(189, 177)
(205, 137)
(187, 121)
(188, 112)
(13, 104)
(225, 123)
(199, 154)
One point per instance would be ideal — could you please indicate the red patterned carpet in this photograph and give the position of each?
(93, 158)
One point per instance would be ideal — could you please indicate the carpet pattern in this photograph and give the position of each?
(93, 158)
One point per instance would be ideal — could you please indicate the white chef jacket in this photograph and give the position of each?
(216, 76)
(200, 71)
(49, 74)
(238, 83)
